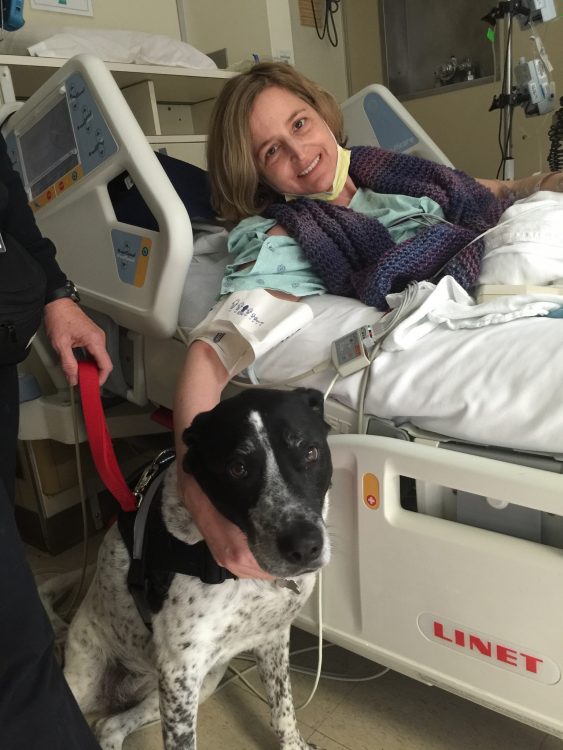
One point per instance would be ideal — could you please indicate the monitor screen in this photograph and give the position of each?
(48, 149)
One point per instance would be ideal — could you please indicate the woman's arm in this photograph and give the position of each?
(525, 186)
(199, 388)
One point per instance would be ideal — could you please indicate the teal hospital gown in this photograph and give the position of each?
(278, 261)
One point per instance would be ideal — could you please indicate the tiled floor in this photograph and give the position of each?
(390, 713)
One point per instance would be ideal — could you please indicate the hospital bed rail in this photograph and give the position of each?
(472, 611)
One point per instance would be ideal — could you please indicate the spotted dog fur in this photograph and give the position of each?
(263, 460)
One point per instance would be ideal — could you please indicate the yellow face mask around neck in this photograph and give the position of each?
(340, 177)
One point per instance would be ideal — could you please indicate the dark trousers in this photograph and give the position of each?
(37, 709)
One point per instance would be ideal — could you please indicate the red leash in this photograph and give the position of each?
(99, 437)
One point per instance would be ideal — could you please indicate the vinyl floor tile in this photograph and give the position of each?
(398, 713)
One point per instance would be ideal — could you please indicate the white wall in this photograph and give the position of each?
(268, 28)
(155, 16)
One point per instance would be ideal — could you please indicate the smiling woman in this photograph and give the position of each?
(315, 217)
(297, 154)
(233, 153)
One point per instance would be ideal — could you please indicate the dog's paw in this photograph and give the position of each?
(109, 736)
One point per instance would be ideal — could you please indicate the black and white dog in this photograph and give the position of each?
(263, 459)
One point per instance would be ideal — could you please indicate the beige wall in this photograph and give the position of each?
(464, 128)
(459, 121)
(317, 58)
(363, 48)
(240, 26)
(269, 28)
(158, 17)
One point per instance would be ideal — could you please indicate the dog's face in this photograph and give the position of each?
(263, 460)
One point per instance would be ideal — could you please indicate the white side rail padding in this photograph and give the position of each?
(374, 116)
(476, 612)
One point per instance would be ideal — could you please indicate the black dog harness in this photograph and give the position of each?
(156, 555)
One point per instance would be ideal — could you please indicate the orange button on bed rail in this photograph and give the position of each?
(371, 491)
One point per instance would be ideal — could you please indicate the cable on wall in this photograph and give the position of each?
(328, 29)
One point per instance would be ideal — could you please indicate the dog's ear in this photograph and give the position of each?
(313, 398)
(192, 437)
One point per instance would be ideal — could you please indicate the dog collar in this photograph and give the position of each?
(288, 583)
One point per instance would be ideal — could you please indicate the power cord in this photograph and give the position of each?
(83, 505)
(317, 672)
(505, 146)
(329, 24)
(555, 135)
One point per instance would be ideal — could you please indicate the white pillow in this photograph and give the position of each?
(123, 47)
(526, 246)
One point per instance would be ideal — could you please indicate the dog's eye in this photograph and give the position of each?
(237, 470)
(312, 454)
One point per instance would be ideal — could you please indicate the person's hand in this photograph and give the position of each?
(552, 181)
(68, 327)
(227, 543)
(525, 186)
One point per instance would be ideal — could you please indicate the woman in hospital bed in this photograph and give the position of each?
(314, 217)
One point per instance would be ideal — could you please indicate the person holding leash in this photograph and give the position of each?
(37, 709)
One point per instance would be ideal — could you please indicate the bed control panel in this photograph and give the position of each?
(60, 142)
(72, 140)
(132, 254)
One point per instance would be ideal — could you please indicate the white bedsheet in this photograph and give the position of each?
(496, 385)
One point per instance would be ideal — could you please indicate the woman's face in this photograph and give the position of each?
(293, 148)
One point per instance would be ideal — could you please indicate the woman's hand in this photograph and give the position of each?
(68, 327)
(227, 543)
(552, 181)
(525, 186)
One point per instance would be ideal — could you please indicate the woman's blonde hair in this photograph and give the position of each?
(236, 190)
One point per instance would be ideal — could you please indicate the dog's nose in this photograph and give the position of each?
(301, 544)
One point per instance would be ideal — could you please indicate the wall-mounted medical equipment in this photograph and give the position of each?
(536, 11)
(75, 136)
(536, 91)
(531, 87)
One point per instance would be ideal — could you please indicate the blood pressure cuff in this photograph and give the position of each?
(244, 325)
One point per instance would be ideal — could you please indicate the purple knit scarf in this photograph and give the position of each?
(354, 254)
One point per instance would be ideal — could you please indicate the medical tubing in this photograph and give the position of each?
(320, 642)
(510, 219)
(388, 323)
(321, 367)
(240, 675)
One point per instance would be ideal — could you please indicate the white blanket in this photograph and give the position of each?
(499, 384)
(526, 246)
(481, 373)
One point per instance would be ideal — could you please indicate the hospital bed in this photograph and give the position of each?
(447, 562)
